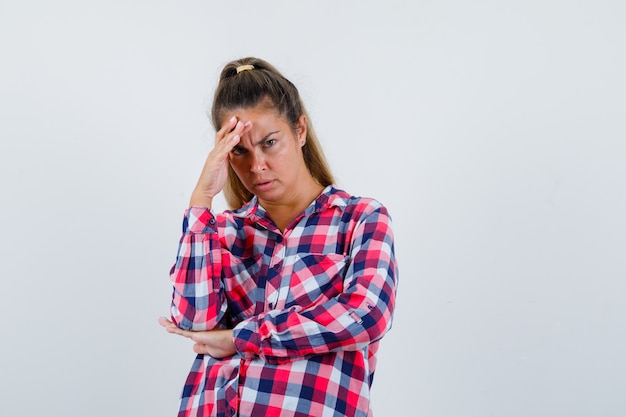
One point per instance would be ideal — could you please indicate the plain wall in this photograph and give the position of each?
(493, 131)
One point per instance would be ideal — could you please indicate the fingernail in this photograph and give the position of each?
(248, 123)
(232, 119)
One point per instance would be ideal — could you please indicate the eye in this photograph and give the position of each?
(238, 150)
(269, 142)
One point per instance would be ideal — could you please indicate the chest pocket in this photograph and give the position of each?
(316, 279)
(240, 277)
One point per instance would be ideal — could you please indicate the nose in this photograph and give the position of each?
(257, 162)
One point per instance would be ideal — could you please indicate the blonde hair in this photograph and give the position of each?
(250, 82)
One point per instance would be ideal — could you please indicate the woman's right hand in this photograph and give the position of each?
(215, 170)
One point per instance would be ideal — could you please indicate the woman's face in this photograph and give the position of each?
(268, 159)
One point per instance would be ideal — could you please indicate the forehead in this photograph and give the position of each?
(258, 115)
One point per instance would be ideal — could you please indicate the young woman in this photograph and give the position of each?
(287, 295)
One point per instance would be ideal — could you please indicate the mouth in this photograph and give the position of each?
(263, 185)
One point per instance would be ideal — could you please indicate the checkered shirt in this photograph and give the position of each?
(308, 307)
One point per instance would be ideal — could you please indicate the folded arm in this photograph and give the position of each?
(358, 316)
(198, 299)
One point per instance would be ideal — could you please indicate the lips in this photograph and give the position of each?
(263, 185)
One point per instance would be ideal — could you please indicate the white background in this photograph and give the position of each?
(494, 131)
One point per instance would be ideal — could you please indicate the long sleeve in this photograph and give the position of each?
(198, 299)
(307, 304)
(359, 315)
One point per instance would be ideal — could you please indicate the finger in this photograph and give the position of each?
(224, 144)
(165, 322)
(235, 133)
(184, 333)
(234, 137)
(173, 329)
(230, 140)
(201, 349)
(229, 127)
(247, 126)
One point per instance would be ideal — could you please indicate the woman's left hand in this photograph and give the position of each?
(216, 343)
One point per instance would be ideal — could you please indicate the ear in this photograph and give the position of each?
(301, 130)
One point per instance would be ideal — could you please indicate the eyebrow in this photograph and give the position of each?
(264, 138)
(260, 141)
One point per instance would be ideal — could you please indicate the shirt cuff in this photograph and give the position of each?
(247, 339)
(199, 220)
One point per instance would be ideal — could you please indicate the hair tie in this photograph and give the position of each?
(241, 68)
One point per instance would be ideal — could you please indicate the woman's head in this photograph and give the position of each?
(253, 83)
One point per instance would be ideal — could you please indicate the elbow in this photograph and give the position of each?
(378, 321)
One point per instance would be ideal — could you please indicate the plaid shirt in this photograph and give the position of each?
(308, 306)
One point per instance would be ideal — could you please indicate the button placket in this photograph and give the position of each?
(276, 265)
(279, 255)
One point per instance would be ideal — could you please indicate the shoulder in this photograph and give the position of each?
(236, 215)
(356, 206)
(227, 221)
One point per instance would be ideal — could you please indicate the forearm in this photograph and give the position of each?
(347, 322)
(200, 198)
(198, 300)
(350, 320)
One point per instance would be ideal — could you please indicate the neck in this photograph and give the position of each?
(284, 212)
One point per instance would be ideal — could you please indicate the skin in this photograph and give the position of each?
(216, 343)
(266, 154)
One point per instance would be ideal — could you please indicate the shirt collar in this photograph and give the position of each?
(330, 197)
